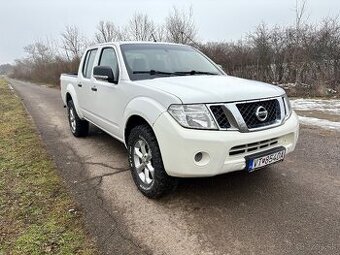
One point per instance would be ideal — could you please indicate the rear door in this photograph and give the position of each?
(85, 85)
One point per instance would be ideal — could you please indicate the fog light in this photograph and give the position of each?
(201, 158)
(198, 157)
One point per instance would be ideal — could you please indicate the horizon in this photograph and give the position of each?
(49, 19)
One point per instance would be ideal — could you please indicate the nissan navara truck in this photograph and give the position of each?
(177, 112)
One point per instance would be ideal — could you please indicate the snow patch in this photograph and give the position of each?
(328, 106)
(326, 124)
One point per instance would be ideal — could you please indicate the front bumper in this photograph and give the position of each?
(179, 146)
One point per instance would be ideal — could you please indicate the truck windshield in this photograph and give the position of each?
(148, 61)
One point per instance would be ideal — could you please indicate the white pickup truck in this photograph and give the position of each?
(177, 112)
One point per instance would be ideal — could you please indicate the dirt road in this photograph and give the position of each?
(289, 208)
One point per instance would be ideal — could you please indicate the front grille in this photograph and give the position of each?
(220, 116)
(248, 112)
(252, 147)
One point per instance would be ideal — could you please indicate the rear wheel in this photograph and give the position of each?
(146, 163)
(79, 128)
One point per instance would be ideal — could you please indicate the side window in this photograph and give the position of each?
(88, 63)
(109, 58)
(85, 63)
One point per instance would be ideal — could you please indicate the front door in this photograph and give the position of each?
(110, 98)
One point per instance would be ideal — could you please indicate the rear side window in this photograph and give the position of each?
(88, 63)
(109, 58)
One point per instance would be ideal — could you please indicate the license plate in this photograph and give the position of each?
(259, 162)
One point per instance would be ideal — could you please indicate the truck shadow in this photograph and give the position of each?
(236, 185)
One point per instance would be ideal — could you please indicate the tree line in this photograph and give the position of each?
(45, 60)
(303, 57)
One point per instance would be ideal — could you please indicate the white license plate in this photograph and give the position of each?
(266, 160)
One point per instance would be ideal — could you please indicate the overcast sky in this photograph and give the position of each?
(24, 21)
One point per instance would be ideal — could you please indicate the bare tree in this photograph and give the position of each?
(107, 32)
(39, 53)
(260, 41)
(278, 43)
(180, 26)
(140, 28)
(159, 33)
(300, 11)
(5, 69)
(73, 43)
(298, 53)
(327, 50)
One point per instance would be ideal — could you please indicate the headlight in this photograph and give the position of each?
(288, 107)
(192, 116)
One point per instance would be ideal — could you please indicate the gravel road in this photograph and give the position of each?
(289, 208)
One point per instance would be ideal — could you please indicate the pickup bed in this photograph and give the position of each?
(177, 112)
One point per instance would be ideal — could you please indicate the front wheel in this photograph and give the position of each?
(146, 163)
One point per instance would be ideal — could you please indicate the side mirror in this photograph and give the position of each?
(104, 73)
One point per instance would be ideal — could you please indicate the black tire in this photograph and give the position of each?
(81, 127)
(161, 182)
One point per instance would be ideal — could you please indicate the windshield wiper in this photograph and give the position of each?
(194, 72)
(152, 72)
(155, 72)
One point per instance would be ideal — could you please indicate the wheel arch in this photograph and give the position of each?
(72, 95)
(141, 110)
(133, 121)
(68, 97)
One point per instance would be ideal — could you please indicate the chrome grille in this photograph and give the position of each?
(248, 112)
(247, 116)
(252, 147)
(220, 116)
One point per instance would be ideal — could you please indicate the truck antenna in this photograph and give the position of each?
(153, 37)
(189, 38)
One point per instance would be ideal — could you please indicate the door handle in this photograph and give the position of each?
(94, 89)
(80, 85)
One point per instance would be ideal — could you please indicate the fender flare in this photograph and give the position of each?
(144, 107)
(70, 90)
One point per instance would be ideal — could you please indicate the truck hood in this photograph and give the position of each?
(213, 89)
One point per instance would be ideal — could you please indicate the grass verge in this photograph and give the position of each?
(36, 212)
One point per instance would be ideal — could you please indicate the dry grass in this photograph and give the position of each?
(34, 205)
